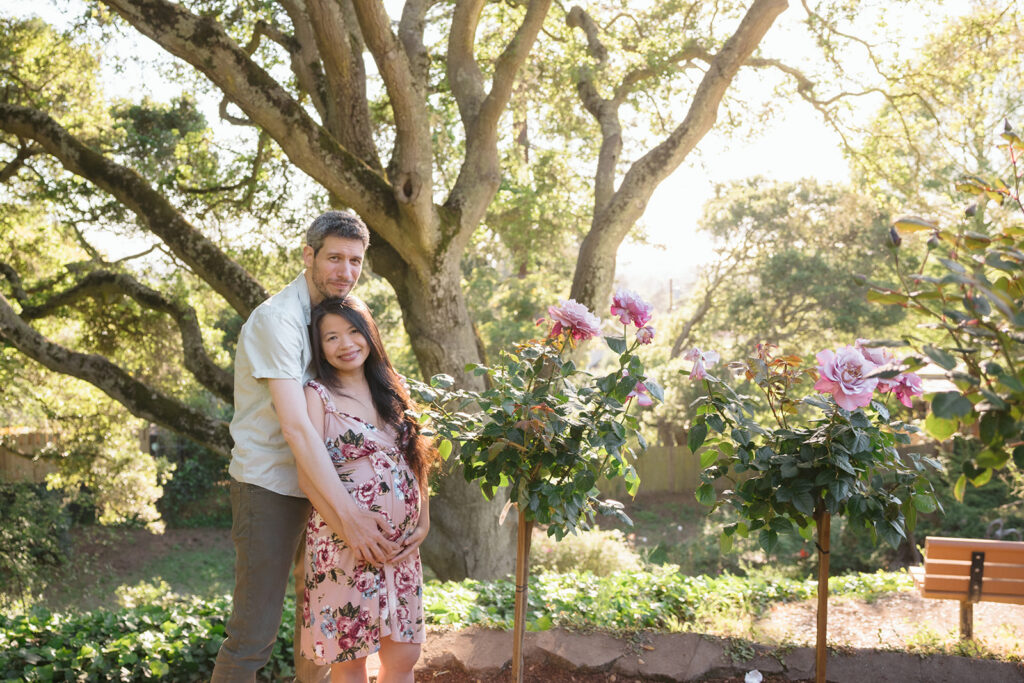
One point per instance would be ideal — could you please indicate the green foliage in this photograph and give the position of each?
(545, 429)
(34, 537)
(598, 551)
(782, 478)
(974, 296)
(656, 597)
(172, 640)
(196, 493)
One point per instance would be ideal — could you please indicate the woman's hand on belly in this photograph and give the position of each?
(412, 544)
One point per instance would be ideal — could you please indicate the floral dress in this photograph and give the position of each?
(350, 605)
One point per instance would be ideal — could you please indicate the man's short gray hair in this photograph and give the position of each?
(337, 224)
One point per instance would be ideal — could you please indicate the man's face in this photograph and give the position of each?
(333, 271)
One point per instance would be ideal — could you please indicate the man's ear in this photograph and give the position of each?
(308, 255)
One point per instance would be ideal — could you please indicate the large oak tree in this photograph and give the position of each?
(373, 139)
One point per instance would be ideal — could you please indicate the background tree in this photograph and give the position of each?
(946, 107)
(789, 264)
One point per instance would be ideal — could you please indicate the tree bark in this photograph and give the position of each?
(465, 537)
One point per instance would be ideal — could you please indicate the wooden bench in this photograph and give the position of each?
(971, 570)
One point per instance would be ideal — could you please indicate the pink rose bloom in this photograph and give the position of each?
(575, 318)
(844, 374)
(702, 360)
(880, 357)
(629, 307)
(645, 334)
(908, 385)
(641, 395)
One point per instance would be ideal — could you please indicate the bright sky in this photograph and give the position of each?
(793, 146)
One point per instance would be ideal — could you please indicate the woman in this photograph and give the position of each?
(358, 403)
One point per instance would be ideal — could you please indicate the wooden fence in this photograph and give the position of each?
(16, 467)
(662, 470)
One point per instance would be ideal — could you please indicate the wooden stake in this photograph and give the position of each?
(523, 538)
(823, 521)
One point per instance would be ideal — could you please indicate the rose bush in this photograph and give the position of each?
(844, 460)
(545, 429)
(824, 456)
(969, 285)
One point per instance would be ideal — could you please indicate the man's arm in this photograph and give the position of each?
(319, 480)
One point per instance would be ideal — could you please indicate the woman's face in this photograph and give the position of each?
(344, 346)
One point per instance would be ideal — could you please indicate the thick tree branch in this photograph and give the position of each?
(204, 44)
(595, 269)
(578, 18)
(606, 111)
(306, 65)
(464, 75)
(480, 174)
(142, 400)
(410, 32)
(340, 46)
(411, 164)
(226, 277)
(102, 283)
(509, 63)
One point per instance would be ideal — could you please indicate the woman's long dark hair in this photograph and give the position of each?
(390, 397)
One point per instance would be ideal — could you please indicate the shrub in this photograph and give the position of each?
(33, 535)
(171, 640)
(598, 551)
(196, 493)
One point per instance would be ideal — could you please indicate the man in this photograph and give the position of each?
(276, 448)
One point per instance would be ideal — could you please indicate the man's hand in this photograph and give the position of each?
(366, 533)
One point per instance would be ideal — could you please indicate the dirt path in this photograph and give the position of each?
(898, 621)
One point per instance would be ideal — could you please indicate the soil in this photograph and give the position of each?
(551, 674)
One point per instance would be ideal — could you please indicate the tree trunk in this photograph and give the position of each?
(465, 538)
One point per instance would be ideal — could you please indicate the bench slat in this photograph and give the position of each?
(1004, 552)
(998, 555)
(989, 587)
(960, 568)
(940, 595)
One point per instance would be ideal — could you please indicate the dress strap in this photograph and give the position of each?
(321, 390)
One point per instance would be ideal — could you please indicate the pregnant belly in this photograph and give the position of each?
(379, 486)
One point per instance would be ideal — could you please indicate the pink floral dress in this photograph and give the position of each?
(350, 605)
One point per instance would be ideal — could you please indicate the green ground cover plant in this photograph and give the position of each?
(176, 638)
